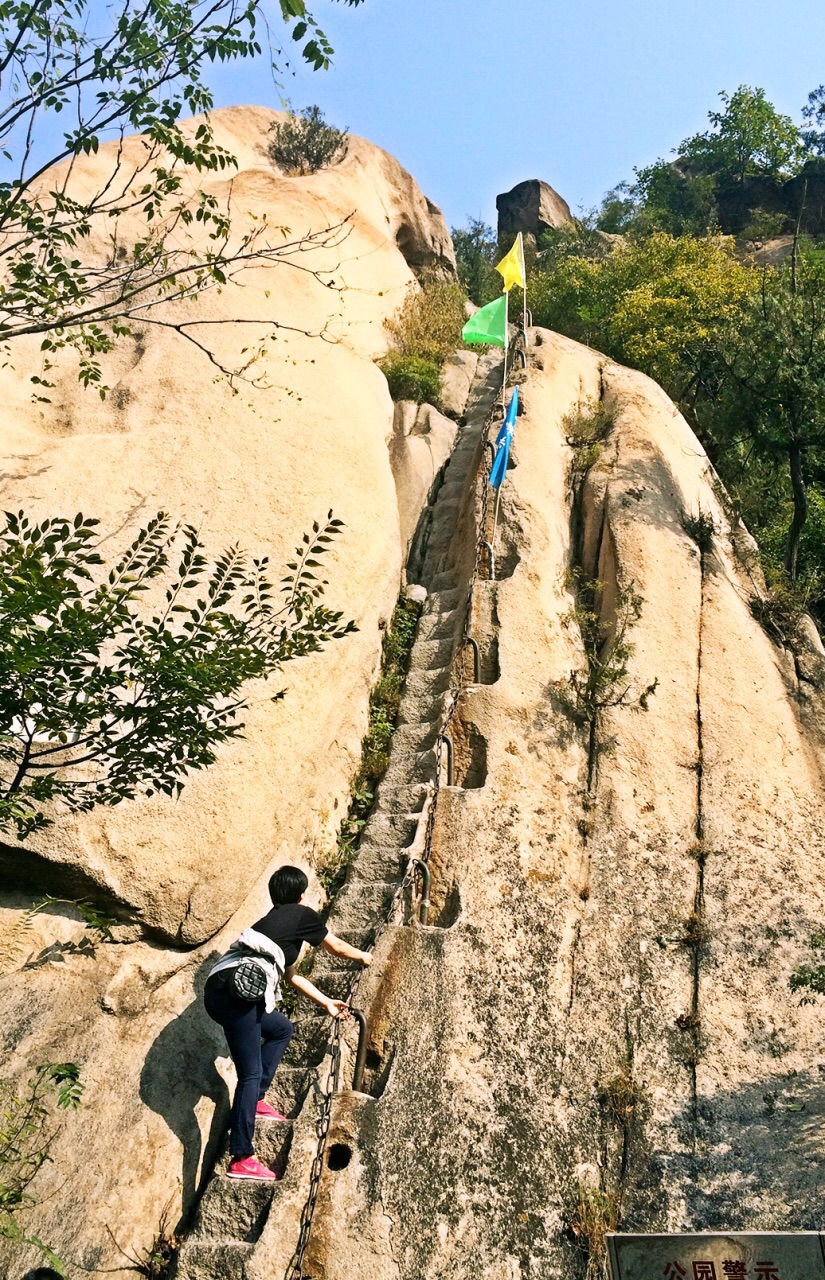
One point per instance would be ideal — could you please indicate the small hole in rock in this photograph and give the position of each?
(470, 748)
(378, 1066)
(339, 1156)
(451, 910)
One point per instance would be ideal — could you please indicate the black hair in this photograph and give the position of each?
(287, 885)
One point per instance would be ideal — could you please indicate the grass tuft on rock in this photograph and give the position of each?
(585, 428)
(591, 1214)
(305, 143)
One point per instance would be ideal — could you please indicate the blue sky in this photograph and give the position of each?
(473, 96)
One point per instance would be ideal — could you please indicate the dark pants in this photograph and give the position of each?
(257, 1041)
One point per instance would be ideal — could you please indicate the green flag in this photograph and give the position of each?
(489, 324)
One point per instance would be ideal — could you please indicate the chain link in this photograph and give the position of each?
(295, 1270)
(322, 1125)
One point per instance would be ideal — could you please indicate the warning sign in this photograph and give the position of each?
(739, 1255)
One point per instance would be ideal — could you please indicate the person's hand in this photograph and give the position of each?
(366, 959)
(337, 1009)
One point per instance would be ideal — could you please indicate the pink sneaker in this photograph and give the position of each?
(251, 1168)
(264, 1111)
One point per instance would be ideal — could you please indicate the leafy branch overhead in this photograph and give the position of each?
(71, 273)
(104, 695)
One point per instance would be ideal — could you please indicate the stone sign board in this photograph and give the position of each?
(737, 1255)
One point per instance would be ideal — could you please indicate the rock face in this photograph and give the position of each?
(596, 1027)
(532, 207)
(253, 463)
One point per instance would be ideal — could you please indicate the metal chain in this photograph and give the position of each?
(295, 1269)
(457, 677)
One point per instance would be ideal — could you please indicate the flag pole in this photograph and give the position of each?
(506, 343)
(495, 516)
(524, 285)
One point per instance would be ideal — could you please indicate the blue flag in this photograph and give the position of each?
(499, 468)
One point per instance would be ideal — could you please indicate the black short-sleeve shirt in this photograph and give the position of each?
(291, 924)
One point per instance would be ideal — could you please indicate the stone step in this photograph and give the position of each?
(378, 861)
(460, 476)
(444, 601)
(430, 655)
(425, 682)
(309, 1038)
(446, 580)
(334, 981)
(403, 799)
(360, 938)
(462, 460)
(445, 516)
(216, 1260)
(360, 904)
(437, 626)
(462, 457)
(233, 1209)
(425, 702)
(422, 707)
(395, 827)
(412, 766)
(412, 739)
(289, 1088)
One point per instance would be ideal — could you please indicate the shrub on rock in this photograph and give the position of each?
(412, 378)
(305, 143)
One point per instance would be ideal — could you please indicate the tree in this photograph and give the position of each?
(618, 210)
(102, 697)
(476, 250)
(684, 196)
(813, 112)
(773, 396)
(658, 303)
(141, 74)
(671, 199)
(749, 137)
(429, 321)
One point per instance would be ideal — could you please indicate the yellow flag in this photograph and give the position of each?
(511, 267)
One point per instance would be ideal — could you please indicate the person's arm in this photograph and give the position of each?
(337, 947)
(335, 1008)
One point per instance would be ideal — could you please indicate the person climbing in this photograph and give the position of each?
(241, 993)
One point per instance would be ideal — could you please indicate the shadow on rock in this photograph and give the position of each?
(179, 1071)
(759, 1156)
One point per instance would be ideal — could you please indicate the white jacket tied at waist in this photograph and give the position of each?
(252, 945)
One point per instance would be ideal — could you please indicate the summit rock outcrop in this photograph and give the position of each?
(531, 207)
